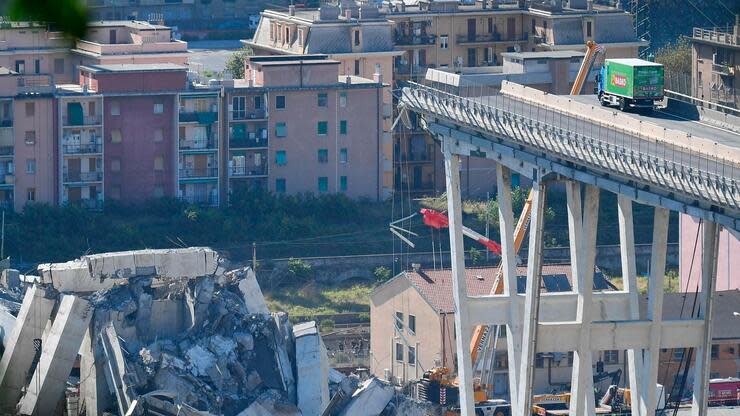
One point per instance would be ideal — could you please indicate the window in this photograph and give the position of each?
(323, 156)
(280, 130)
(30, 109)
(357, 67)
(31, 194)
(158, 108)
(322, 128)
(115, 165)
(343, 183)
(31, 166)
(31, 137)
(715, 351)
(115, 136)
(343, 155)
(534, 27)
(490, 25)
(342, 99)
(343, 127)
(158, 135)
(412, 324)
(59, 66)
(20, 66)
(159, 163)
(399, 352)
(37, 66)
(258, 102)
(678, 354)
(611, 357)
(280, 101)
(280, 185)
(412, 355)
(588, 29)
(91, 108)
(115, 109)
(323, 100)
(443, 41)
(281, 158)
(570, 359)
(239, 108)
(399, 320)
(323, 184)
(356, 36)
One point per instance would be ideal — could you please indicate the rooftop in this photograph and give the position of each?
(133, 24)
(133, 68)
(545, 55)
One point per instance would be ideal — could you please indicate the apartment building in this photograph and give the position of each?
(198, 146)
(715, 70)
(296, 125)
(691, 247)
(34, 49)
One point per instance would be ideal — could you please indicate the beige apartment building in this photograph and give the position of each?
(716, 64)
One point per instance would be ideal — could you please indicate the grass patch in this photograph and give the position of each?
(671, 284)
(313, 298)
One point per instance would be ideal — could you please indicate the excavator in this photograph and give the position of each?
(482, 344)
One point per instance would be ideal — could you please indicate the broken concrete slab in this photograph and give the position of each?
(58, 354)
(251, 291)
(312, 369)
(119, 375)
(11, 279)
(19, 349)
(369, 400)
(95, 396)
(7, 323)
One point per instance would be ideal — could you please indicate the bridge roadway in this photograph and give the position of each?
(680, 177)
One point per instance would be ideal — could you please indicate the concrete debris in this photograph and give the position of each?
(312, 369)
(11, 279)
(369, 400)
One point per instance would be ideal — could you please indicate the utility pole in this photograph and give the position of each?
(254, 254)
(488, 206)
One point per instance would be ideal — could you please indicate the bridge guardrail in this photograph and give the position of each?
(606, 147)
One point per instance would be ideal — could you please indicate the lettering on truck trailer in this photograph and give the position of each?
(619, 80)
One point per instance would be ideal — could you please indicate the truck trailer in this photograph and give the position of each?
(630, 84)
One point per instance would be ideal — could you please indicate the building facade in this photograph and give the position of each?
(715, 70)
(691, 249)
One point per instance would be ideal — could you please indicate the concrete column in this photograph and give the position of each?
(460, 290)
(94, 393)
(582, 225)
(703, 353)
(58, 355)
(19, 355)
(629, 281)
(508, 268)
(647, 393)
(531, 300)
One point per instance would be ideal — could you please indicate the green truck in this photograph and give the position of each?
(630, 83)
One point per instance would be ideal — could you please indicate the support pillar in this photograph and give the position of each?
(706, 298)
(94, 394)
(19, 355)
(647, 393)
(459, 284)
(58, 355)
(531, 299)
(582, 224)
(629, 282)
(508, 268)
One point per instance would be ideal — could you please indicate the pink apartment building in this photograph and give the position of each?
(728, 261)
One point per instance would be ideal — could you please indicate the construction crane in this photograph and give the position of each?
(593, 50)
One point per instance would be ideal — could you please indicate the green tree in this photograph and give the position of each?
(299, 268)
(676, 57)
(475, 256)
(235, 63)
(382, 274)
(69, 16)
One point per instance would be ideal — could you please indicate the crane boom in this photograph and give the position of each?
(592, 51)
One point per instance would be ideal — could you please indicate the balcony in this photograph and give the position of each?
(82, 148)
(248, 115)
(412, 70)
(715, 35)
(200, 117)
(200, 199)
(6, 122)
(199, 144)
(723, 69)
(414, 158)
(6, 151)
(251, 141)
(84, 121)
(198, 173)
(82, 177)
(412, 40)
(247, 171)
(490, 38)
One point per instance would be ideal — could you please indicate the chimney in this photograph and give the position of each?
(348, 80)
(378, 78)
(348, 14)
(589, 5)
(291, 10)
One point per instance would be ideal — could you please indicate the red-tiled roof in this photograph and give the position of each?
(436, 285)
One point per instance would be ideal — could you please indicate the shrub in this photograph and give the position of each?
(326, 325)
(299, 268)
(382, 274)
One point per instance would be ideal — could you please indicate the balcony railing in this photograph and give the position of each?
(413, 157)
(247, 171)
(202, 117)
(6, 122)
(199, 144)
(248, 115)
(83, 177)
(723, 69)
(247, 142)
(417, 70)
(199, 173)
(490, 38)
(6, 150)
(85, 121)
(410, 40)
(84, 148)
(200, 199)
(726, 36)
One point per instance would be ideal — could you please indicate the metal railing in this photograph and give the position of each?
(7, 150)
(490, 38)
(238, 115)
(6, 122)
(203, 117)
(246, 142)
(84, 121)
(718, 35)
(82, 177)
(199, 144)
(410, 40)
(199, 173)
(663, 164)
(246, 171)
(83, 148)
